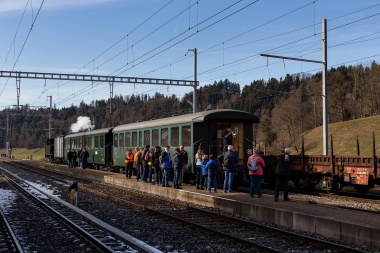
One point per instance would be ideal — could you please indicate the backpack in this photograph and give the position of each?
(253, 164)
(146, 158)
(228, 161)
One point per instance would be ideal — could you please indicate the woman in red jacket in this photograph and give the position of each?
(255, 165)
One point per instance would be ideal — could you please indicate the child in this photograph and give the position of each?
(204, 172)
(212, 167)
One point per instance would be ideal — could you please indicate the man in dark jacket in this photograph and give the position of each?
(229, 161)
(283, 172)
(156, 165)
(70, 158)
(84, 156)
(177, 159)
(185, 159)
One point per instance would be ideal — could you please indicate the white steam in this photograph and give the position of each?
(83, 124)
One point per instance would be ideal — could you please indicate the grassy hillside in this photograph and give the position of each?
(21, 153)
(344, 136)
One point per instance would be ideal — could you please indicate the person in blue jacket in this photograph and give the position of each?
(204, 172)
(166, 165)
(212, 167)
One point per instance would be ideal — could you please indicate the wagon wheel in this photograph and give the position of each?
(337, 185)
(362, 189)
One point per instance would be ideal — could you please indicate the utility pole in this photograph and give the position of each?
(195, 80)
(324, 88)
(324, 82)
(7, 140)
(50, 116)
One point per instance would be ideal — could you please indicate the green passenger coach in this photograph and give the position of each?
(202, 129)
(98, 143)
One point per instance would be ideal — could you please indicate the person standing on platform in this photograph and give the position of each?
(212, 167)
(198, 163)
(204, 172)
(156, 165)
(140, 167)
(69, 157)
(283, 172)
(185, 160)
(255, 167)
(166, 165)
(136, 160)
(85, 156)
(177, 161)
(150, 165)
(79, 157)
(74, 157)
(229, 161)
(129, 158)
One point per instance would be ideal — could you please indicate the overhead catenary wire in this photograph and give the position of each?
(245, 60)
(23, 45)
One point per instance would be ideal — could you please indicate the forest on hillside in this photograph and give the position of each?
(286, 107)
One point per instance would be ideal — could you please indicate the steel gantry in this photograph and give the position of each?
(94, 78)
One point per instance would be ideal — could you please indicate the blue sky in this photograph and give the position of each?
(150, 38)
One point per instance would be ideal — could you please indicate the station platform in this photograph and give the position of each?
(342, 224)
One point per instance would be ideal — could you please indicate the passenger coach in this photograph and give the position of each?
(192, 131)
(98, 143)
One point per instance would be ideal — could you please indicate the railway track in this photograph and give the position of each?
(65, 231)
(265, 238)
(8, 239)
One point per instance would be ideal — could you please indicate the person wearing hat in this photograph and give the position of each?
(255, 173)
(283, 172)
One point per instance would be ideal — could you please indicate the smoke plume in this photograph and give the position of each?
(83, 124)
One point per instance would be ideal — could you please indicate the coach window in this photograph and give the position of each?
(175, 136)
(101, 140)
(80, 142)
(115, 141)
(121, 140)
(146, 137)
(155, 137)
(164, 137)
(134, 139)
(96, 144)
(89, 142)
(127, 140)
(186, 136)
(140, 139)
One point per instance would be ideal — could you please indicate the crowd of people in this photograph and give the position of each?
(152, 165)
(79, 158)
(157, 162)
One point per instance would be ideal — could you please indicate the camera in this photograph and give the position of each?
(236, 130)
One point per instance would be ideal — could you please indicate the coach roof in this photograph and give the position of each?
(98, 131)
(224, 114)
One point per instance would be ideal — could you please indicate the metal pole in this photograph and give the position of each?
(111, 95)
(324, 87)
(7, 141)
(195, 82)
(50, 116)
